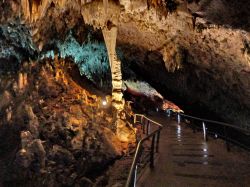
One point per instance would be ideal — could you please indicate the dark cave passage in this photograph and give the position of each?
(195, 89)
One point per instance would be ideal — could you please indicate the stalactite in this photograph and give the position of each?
(43, 8)
(26, 9)
(105, 4)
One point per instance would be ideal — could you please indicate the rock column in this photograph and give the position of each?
(110, 35)
(105, 15)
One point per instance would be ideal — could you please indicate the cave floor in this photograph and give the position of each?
(186, 160)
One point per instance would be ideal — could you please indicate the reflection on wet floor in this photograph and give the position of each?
(189, 149)
(183, 163)
(204, 176)
(194, 155)
(178, 130)
(195, 144)
(186, 160)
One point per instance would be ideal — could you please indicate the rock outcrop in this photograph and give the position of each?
(61, 132)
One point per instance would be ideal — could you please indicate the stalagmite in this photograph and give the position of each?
(115, 66)
(104, 15)
(8, 113)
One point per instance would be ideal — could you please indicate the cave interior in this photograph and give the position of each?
(73, 74)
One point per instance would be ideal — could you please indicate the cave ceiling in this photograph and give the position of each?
(209, 30)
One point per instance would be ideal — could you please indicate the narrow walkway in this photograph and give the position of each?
(186, 160)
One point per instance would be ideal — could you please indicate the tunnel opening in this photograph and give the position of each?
(197, 90)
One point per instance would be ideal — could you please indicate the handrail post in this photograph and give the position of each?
(204, 131)
(157, 142)
(147, 128)
(143, 128)
(143, 125)
(153, 135)
(152, 152)
(193, 126)
(169, 113)
(227, 143)
(135, 118)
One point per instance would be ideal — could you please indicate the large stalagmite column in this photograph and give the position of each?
(109, 32)
(110, 35)
(105, 16)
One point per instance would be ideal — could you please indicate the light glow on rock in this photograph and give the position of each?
(104, 103)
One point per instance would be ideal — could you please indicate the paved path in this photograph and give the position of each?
(185, 160)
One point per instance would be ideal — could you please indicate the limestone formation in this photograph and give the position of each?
(59, 132)
(54, 129)
(115, 64)
(30, 148)
(184, 32)
(5, 99)
(105, 16)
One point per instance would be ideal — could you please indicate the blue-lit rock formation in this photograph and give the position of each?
(16, 46)
(91, 58)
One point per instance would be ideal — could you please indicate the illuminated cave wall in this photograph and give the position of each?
(91, 57)
(16, 46)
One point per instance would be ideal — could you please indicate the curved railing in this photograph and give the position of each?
(152, 130)
(153, 134)
(226, 131)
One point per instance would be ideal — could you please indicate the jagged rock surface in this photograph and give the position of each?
(16, 46)
(61, 134)
(205, 42)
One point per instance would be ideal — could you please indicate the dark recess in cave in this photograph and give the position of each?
(237, 15)
(202, 96)
(171, 5)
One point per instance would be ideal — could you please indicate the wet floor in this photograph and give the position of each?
(186, 160)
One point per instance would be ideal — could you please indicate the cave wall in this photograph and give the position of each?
(16, 46)
(194, 88)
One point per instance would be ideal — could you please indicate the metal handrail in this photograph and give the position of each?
(131, 181)
(217, 122)
(225, 129)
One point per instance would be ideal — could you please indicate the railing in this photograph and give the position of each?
(152, 131)
(226, 131)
